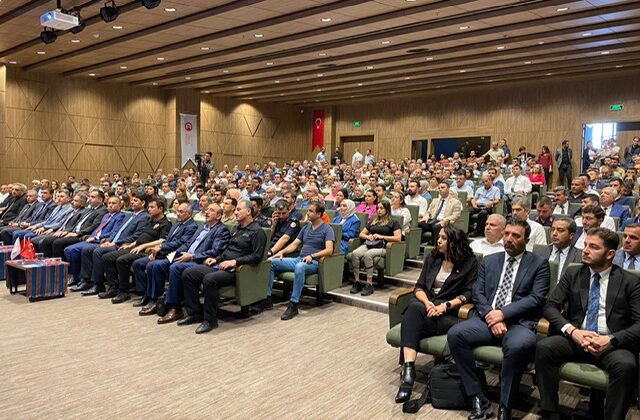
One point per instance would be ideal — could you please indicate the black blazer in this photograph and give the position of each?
(623, 304)
(459, 282)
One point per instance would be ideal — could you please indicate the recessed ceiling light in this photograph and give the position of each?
(463, 71)
(320, 75)
(490, 80)
(160, 58)
(604, 52)
(240, 87)
(258, 35)
(562, 9)
(392, 92)
(13, 62)
(75, 40)
(386, 42)
(225, 71)
(92, 74)
(322, 54)
(206, 91)
(326, 19)
(359, 84)
(407, 78)
(277, 81)
(369, 67)
(270, 63)
(586, 34)
(462, 28)
(123, 67)
(40, 52)
(541, 43)
(318, 90)
(282, 94)
(298, 79)
(204, 48)
(619, 66)
(429, 58)
(155, 83)
(410, 1)
(250, 98)
(169, 9)
(501, 47)
(549, 74)
(117, 27)
(187, 78)
(527, 62)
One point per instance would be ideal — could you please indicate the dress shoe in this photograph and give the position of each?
(142, 302)
(92, 291)
(121, 297)
(189, 319)
(504, 413)
(73, 282)
(81, 287)
(149, 310)
(356, 288)
(108, 294)
(171, 316)
(480, 408)
(206, 326)
(367, 290)
(266, 304)
(292, 311)
(407, 378)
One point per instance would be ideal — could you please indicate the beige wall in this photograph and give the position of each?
(532, 114)
(242, 133)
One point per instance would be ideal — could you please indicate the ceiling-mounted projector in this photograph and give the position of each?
(57, 19)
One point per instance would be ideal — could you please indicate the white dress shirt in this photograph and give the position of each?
(419, 201)
(482, 246)
(538, 235)
(520, 184)
(602, 309)
(516, 265)
(558, 209)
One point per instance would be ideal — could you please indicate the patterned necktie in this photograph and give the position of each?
(593, 304)
(632, 263)
(506, 286)
(104, 223)
(562, 210)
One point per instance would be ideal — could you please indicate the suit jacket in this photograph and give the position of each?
(12, 211)
(90, 220)
(133, 230)
(620, 211)
(179, 234)
(55, 221)
(113, 225)
(72, 219)
(629, 221)
(558, 157)
(620, 257)
(213, 244)
(625, 200)
(43, 212)
(568, 304)
(574, 256)
(452, 209)
(459, 282)
(27, 212)
(530, 286)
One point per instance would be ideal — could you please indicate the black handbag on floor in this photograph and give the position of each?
(446, 388)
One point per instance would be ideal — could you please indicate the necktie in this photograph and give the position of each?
(79, 224)
(506, 286)
(632, 263)
(593, 304)
(558, 255)
(439, 209)
(199, 239)
(562, 210)
(104, 223)
(123, 228)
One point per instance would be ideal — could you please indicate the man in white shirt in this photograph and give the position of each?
(492, 242)
(461, 186)
(520, 208)
(594, 200)
(357, 158)
(592, 216)
(369, 158)
(321, 156)
(561, 201)
(413, 197)
(517, 184)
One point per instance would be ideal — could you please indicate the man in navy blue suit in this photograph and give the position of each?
(508, 296)
(92, 269)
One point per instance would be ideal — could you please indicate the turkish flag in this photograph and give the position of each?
(28, 251)
(317, 139)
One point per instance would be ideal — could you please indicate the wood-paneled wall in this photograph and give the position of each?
(3, 129)
(531, 114)
(243, 133)
(60, 126)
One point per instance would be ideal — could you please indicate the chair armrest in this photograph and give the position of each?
(465, 311)
(354, 243)
(395, 296)
(398, 302)
(543, 326)
(330, 272)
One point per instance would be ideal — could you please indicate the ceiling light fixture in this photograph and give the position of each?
(225, 71)
(463, 71)
(123, 67)
(586, 34)
(562, 9)
(187, 78)
(49, 37)
(549, 74)
(541, 43)
(322, 54)
(204, 48)
(369, 67)
(527, 62)
(326, 19)
(160, 58)
(360, 84)
(13, 62)
(117, 27)
(386, 42)
(75, 41)
(258, 35)
(501, 47)
(320, 74)
(462, 28)
(169, 9)
(270, 63)
(429, 58)
(40, 52)
(92, 74)
(619, 66)
(109, 12)
(150, 4)
(155, 83)
(277, 81)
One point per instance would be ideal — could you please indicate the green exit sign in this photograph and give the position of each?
(616, 107)
(357, 124)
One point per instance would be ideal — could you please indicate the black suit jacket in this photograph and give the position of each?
(12, 211)
(574, 256)
(530, 287)
(91, 222)
(622, 304)
(459, 282)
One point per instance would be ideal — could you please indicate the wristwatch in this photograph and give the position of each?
(447, 304)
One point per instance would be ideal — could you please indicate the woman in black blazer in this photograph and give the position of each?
(444, 285)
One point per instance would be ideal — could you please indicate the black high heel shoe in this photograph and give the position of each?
(407, 378)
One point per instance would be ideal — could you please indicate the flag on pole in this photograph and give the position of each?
(16, 249)
(28, 250)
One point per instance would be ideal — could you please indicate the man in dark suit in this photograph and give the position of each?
(92, 269)
(628, 257)
(563, 158)
(14, 204)
(27, 212)
(561, 251)
(594, 315)
(611, 209)
(78, 204)
(508, 296)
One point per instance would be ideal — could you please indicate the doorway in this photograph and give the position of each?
(464, 145)
(349, 144)
(420, 149)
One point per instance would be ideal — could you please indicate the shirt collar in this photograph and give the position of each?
(604, 274)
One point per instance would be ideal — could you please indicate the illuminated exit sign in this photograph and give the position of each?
(357, 124)
(616, 107)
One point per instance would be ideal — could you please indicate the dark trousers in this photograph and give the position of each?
(564, 171)
(97, 266)
(620, 364)
(212, 280)
(175, 293)
(45, 245)
(482, 213)
(150, 276)
(432, 226)
(547, 177)
(117, 267)
(416, 325)
(518, 346)
(37, 241)
(59, 244)
(6, 233)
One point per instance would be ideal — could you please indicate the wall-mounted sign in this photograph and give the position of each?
(616, 107)
(357, 124)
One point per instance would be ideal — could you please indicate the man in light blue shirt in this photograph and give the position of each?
(487, 196)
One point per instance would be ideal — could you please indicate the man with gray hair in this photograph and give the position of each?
(78, 204)
(520, 208)
(492, 241)
(13, 204)
(611, 209)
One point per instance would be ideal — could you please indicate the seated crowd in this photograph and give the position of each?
(121, 229)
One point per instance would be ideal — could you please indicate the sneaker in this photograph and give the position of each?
(356, 288)
(292, 311)
(367, 290)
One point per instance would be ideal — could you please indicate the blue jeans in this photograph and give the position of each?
(300, 270)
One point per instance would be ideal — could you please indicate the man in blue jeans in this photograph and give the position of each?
(317, 241)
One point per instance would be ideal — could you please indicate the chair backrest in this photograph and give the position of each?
(398, 219)
(337, 233)
(328, 204)
(364, 219)
(620, 238)
(434, 193)
(533, 213)
(547, 232)
(414, 211)
(553, 269)
(172, 217)
(302, 211)
(574, 207)
(616, 219)
(539, 246)
(232, 228)
(267, 231)
(331, 213)
(462, 196)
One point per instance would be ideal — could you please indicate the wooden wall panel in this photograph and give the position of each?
(242, 133)
(530, 114)
(3, 119)
(61, 126)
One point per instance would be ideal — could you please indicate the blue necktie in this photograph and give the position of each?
(123, 228)
(632, 263)
(593, 304)
(199, 239)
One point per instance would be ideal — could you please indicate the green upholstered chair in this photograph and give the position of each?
(329, 275)
(252, 281)
(172, 217)
(199, 222)
(328, 204)
(331, 213)
(413, 236)
(616, 220)
(547, 233)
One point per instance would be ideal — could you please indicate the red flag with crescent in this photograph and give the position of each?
(317, 139)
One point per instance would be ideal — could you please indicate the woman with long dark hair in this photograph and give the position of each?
(444, 285)
(369, 205)
(546, 161)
